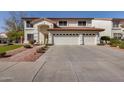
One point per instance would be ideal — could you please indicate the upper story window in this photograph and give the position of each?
(115, 24)
(28, 24)
(62, 23)
(82, 23)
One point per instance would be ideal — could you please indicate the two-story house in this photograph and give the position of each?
(70, 31)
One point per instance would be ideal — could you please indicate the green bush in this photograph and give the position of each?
(32, 41)
(121, 45)
(114, 42)
(27, 46)
(105, 38)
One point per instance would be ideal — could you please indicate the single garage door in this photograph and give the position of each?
(90, 40)
(66, 39)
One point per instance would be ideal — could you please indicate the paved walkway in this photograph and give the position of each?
(69, 63)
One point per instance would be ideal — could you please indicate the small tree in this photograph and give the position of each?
(105, 38)
(15, 36)
(14, 26)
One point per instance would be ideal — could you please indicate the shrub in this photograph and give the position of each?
(121, 45)
(113, 45)
(101, 43)
(105, 38)
(32, 41)
(114, 42)
(49, 44)
(2, 54)
(39, 50)
(27, 46)
(9, 43)
(122, 25)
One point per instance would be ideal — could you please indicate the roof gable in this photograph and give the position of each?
(42, 19)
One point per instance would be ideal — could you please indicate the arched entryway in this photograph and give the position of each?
(44, 30)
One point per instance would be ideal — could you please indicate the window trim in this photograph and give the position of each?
(116, 24)
(31, 37)
(117, 35)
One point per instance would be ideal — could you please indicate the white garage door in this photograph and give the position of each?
(72, 39)
(90, 40)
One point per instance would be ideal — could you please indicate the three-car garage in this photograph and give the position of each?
(75, 36)
(74, 39)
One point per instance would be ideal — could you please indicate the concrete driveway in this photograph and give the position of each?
(69, 64)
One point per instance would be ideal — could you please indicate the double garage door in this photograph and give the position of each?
(73, 39)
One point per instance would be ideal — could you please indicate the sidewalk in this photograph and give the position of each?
(21, 71)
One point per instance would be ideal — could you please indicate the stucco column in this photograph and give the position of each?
(97, 39)
(25, 37)
(80, 39)
(50, 38)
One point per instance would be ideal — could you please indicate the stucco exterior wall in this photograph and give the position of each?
(74, 22)
(30, 31)
(107, 25)
(43, 23)
(38, 36)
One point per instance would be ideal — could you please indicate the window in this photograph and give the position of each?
(28, 24)
(81, 23)
(62, 23)
(30, 37)
(115, 24)
(118, 35)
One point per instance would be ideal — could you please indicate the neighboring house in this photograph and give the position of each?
(71, 31)
(3, 38)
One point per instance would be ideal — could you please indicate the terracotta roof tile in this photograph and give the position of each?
(107, 19)
(76, 29)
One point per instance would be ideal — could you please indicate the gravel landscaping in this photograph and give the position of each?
(22, 55)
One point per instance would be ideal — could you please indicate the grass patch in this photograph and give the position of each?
(5, 48)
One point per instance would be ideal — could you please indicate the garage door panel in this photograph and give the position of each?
(66, 40)
(89, 40)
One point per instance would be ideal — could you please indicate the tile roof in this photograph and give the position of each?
(107, 19)
(76, 29)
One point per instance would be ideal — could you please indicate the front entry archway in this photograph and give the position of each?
(43, 29)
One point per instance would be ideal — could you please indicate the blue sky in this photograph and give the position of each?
(92, 14)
